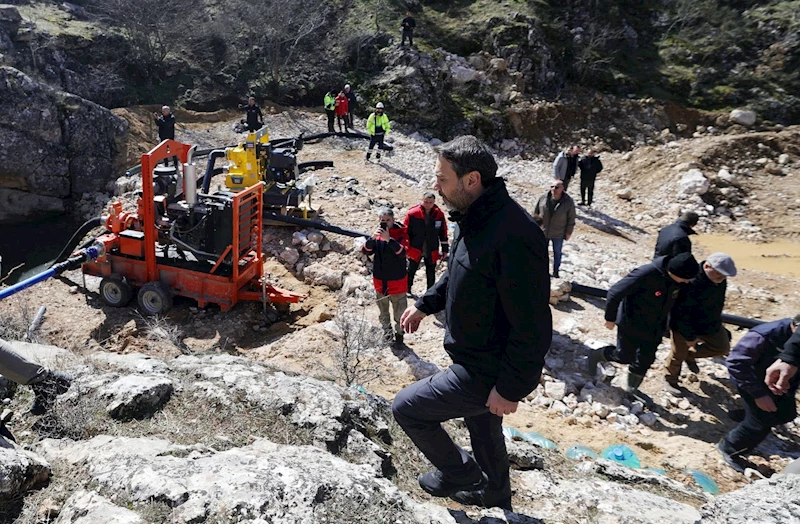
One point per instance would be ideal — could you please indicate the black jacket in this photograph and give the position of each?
(496, 294)
(590, 166)
(408, 24)
(572, 166)
(254, 115)
(791, 350)
(351, 100)
(166, 127)
(389, 263)
(640, 302)
(698, 309)
(674, 240)
(756, 351)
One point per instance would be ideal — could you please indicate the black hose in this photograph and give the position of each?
(313, 165)
(212, 157)
(313, 223)
(76, 237)
(733, 320)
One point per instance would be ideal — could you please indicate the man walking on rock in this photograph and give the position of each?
(498, 329)
(769, 400)
(590, 166)
(674, 238)
(557, 211)
(426, 228)
(407, 26)
(696, 320)
(639, 305)
(566, 164)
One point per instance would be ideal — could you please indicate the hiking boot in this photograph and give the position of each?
(730, 456)
(595, 357)
(555, 274)
(672, 388)
(634, 381)
(47, 388)
(478, 498)
(692, 365)
(434, 483)
(398, 338)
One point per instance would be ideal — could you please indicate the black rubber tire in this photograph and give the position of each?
(154, 299)
(115, 291)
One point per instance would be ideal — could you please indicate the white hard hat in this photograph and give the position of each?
(379, 105)
(165, 107)
(347, 86)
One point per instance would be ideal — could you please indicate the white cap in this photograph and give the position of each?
(165, 107)
(379, 105)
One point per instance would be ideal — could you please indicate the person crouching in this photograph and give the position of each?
(388, 250)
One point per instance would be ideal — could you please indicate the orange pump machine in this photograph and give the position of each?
(180, 242)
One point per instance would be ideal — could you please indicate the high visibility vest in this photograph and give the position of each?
(330, 102)
(378, 121)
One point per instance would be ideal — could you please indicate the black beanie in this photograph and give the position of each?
(683, 266)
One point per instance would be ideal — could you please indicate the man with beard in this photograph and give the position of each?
(495, 296)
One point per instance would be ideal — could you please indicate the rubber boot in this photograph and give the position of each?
(634, 381)
(595, 357)
(47, 388)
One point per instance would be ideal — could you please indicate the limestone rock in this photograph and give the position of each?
(353, 283)
(20, 471)
(323, 276)
(136, 396)
(555, 390)
(88, 507)
(625, 194)
(525, 455)
(769, 501)
(618, 472)
(131, 362)
(463, 75)
(743, 117)
(693, 182)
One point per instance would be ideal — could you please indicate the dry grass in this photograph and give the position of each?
(16, 315)
(357, 340)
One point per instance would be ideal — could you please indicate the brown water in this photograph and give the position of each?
(779, 257)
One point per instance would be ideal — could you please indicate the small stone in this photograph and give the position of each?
(612, 417)
(648, 419)
(555, 390)
(73, 290)
(684, 404)
(621, 410)
(783, 159)
(637, 406)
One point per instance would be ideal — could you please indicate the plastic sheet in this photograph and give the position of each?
(704, 481)
(621, 454)
(579, 452)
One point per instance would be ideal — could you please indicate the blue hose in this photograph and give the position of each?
(25, 284)
(85, 255)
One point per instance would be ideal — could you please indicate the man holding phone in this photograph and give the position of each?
(387, 247)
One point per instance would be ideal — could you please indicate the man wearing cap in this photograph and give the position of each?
(696, 320)
(639, 304)
(768, 400)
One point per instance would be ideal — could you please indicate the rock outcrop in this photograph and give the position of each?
(772, 501)
(20, 471)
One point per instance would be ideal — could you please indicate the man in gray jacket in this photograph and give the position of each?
(557, 212)
(566, 164)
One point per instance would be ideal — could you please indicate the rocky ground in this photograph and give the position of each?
(743, 184)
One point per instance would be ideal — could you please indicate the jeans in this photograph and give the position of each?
(398, 304)
(430, 271)
(423, 406)
(758, 423)
(587, 185)
(714, 345)
(638, 353)
(558, 244)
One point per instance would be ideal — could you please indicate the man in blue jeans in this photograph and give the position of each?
(495, 296)
(557, 211)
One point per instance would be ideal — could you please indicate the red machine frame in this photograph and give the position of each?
(247, 280)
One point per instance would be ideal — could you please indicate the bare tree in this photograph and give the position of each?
(592, 53)
(357, 340)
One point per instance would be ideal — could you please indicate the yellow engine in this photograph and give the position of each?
(248, 161)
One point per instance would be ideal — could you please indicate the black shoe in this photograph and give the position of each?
(398, 338)
(478, 498)
(692, 365)
(730, 457)
(434, 483)
(582, 203)
(46, 390)
(556, 275)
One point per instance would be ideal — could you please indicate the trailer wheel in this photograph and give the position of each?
(115, 291)
(154, 299)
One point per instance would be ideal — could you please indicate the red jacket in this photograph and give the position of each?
(342, 105)
(389, 274)
(434, 232)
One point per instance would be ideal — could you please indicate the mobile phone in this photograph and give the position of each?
(384, 226)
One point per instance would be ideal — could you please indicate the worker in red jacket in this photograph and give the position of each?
(388, 249)
(426, 228)
(342, 111)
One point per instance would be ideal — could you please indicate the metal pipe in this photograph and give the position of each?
(733, 320)
(37, 321)
(313, 223)
(190, 184)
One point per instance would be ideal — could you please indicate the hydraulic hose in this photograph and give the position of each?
(315, 224)
(85, 255)
(733, 320)
(212, 157)
(313, 165)
(76, 237)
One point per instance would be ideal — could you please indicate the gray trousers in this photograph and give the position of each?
(398, 304)
(15, 367)
(423, 406)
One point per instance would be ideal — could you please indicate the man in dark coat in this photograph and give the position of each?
(590, 166)
(696, 319)
(495, 296)
(674, 238)
(166, 129)
(351, 104)
(255, 118)
(767, 402)
(639, 304)
(407, 26)
(427, 228)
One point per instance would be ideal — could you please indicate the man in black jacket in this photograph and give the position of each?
(407, 25)
(696, 319)
(255, 118)
(639, 305)
(590, 166)
(674, 238)
(498, 329)
(351, 104)
(166, 129)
